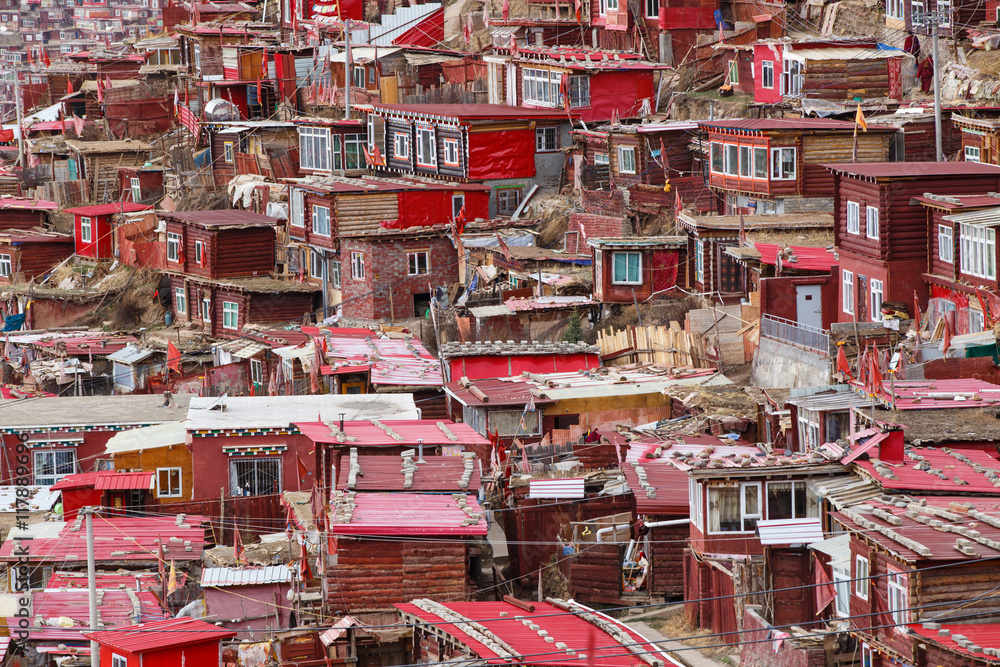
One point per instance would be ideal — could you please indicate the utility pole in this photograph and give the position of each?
(95, 657)
(933, 20)
(19, 109)
(347, 70)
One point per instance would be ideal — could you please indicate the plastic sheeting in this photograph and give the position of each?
(503, 154)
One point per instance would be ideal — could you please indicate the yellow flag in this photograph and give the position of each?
(172, 581)
(859, 119)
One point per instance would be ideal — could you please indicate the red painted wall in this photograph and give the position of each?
(211, 474)
(777, 295)
(502, 154)
(762, 52)
(102, 243)
(201, 653)
(479, 367)
(74, 499)
(899, 279)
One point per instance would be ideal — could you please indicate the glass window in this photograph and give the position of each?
(508, 199)
(767, 74)
(601, 159)
(760, 163)
(734, 509)
(972, 153)
(853, 217)
(898, 594)
(626, 268)
(227, 152)
(199, 252)
(354, 150)
(6, 268)
(946, 244)
(321, 220)
(746, 161)
(547, 139)
(842, 586)
(418, 263)
(338, 153)
(314, 148)
(751, 506)
(861, 580)
(733, 72)
(297, 207)
(315, 265)
(876, 288)
(86, 230)
(696, 502)
(335, 273)
(457, 204)
(579, 91)
(426, 150)
(451, 152)
(789, 500)
(206, 310)
(626, 160)
(847, 292)
(256, 371)
(977, 246)
(783, 164)
(718, 158)
(136, 189)
(652, 9)
(255, 477)
(699, 261)
(230, 315)
(180, 301)
(358, 265)
(173, 247)
(168, 482)
(514, 422)
(401, 146)
(118, 660)
(871, 222)
(732, 159)
(541, 87)
(51, 465)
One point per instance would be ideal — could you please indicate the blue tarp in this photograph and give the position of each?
(13, 322)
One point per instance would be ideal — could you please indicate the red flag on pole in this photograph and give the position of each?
(503, 247)
(174, 357)
(239, 553)
(842, 364)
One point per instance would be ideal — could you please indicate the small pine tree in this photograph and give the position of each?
(574, 332)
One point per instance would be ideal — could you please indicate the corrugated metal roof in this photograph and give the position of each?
(804, 55)
(989, 217)
(68, 580)
(556, 488)
(220, 219)
(790, 531)
(966, 639)
(829, 400)
(454, 350)
(411, 432)
(406, 514)
(490, 311)
(913, 169)
(548, 303)
(661, 489)
(116, 609)
(124, 481)
(778, 124)
(108, 209)
(865, 447)
(802, 257)
(845, 490)
(837, 548)
(222, 577)
(150, 437)
(31, 204)
(937, 470)
(160, 634)
(245, 412)
(436, 473)
(131, 354)
(585, 641)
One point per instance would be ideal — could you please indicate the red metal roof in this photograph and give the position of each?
(589, 644)
(787, 124)
(114, 610)
(389, 361)
(79, 344)
(943, 521)
(983, 635)
(113, 480)
(367, 434)
(29, 204)
(499, 392)
(406, 514)
(73, 580)
(931, 394)
(669, 488)
(76, 481)
(470, 111)
(226, 218)
(913, 169)
(108, 209)
(965, 202)
(158, 635)
(436, 473)
(951, 471)
(116, 539)
(805, 258)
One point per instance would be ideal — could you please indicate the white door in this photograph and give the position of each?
(809, 306)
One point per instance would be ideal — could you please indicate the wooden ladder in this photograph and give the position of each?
(635, 9)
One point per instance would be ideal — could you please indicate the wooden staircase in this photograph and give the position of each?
(635, 9)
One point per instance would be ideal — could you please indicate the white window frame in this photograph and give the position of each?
(842, 588)
(732, 159)
(876, 289)
(867, 655)
(315, 264)
(297, 208)
(978, 247)
(778, 172)
(977, 320)
(871, 222)
(237, 461)
(413, 267)
(791, 77)
(228, 152)
(199, 252)
(760, 163)
(696, 501)
(169, 493)
(699, 261)
(579, 91)
(972, 154)
(944, 7)
(767, 74)
(808, 427)
(206, 310)
(180, 301)
(335, 276)
(321, 220)
(628, 256)
(136, 188)
(6, 265)
(542, 87)
(546, 139)
(314, 148)
(49, 480)
(602, 159)
(746, 161)
(357, 265)
(423, 134)
(946, 244)
(861, 573)
(401, 146)
(118, 660)
(894, 9)
(744, 515)
(847, 291)
(230, 315)
(652, 9)
(451, 157)
(174, 241)
(898, 594)
(626, 160)
(733, 72)
(854, 218)
(86, 229)
(717, 157)
(256, 371)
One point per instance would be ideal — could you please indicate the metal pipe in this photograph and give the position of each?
(672, 522)
(939, 151)
(603, 531)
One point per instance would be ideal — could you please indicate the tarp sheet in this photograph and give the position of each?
(502, 154)
(422, 208)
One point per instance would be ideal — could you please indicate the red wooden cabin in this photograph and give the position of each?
(168, 643)
(92, 227)
(18, 213)
(640, 268)
(30, 254)
(881, 233)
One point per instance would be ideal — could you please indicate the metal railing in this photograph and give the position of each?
(788, 331)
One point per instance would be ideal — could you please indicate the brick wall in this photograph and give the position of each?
(387, 265)
(760, 653)
(594, 226)
(603, 202)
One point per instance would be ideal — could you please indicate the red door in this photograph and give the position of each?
(664, 269)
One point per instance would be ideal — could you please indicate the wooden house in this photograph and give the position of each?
(93, 231)
(165, 643)
(712, 268)
(424, 551)
(253, 147)
(486, 359)
(141, 185)
(643, 268)
(19, 213)
(332, 146)
(915, 137)
(881, 233)
(120, 493)
(133, 367)
(98, 163)
(980, 138)
(775, 165)
(902, 15)
(590, 84)
(160, 450)
(962, 258)
(248, 600)
(790, 73)
(822, 417)
(25, 255)
(508, 148)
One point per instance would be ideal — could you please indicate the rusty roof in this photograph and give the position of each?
(780, 124)
(913, 170)
(937, 470)
(392, 473)
(959, 202)
(391, 433)
(228, 219)
(114, 609)
(386, 514)
(157, 635)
